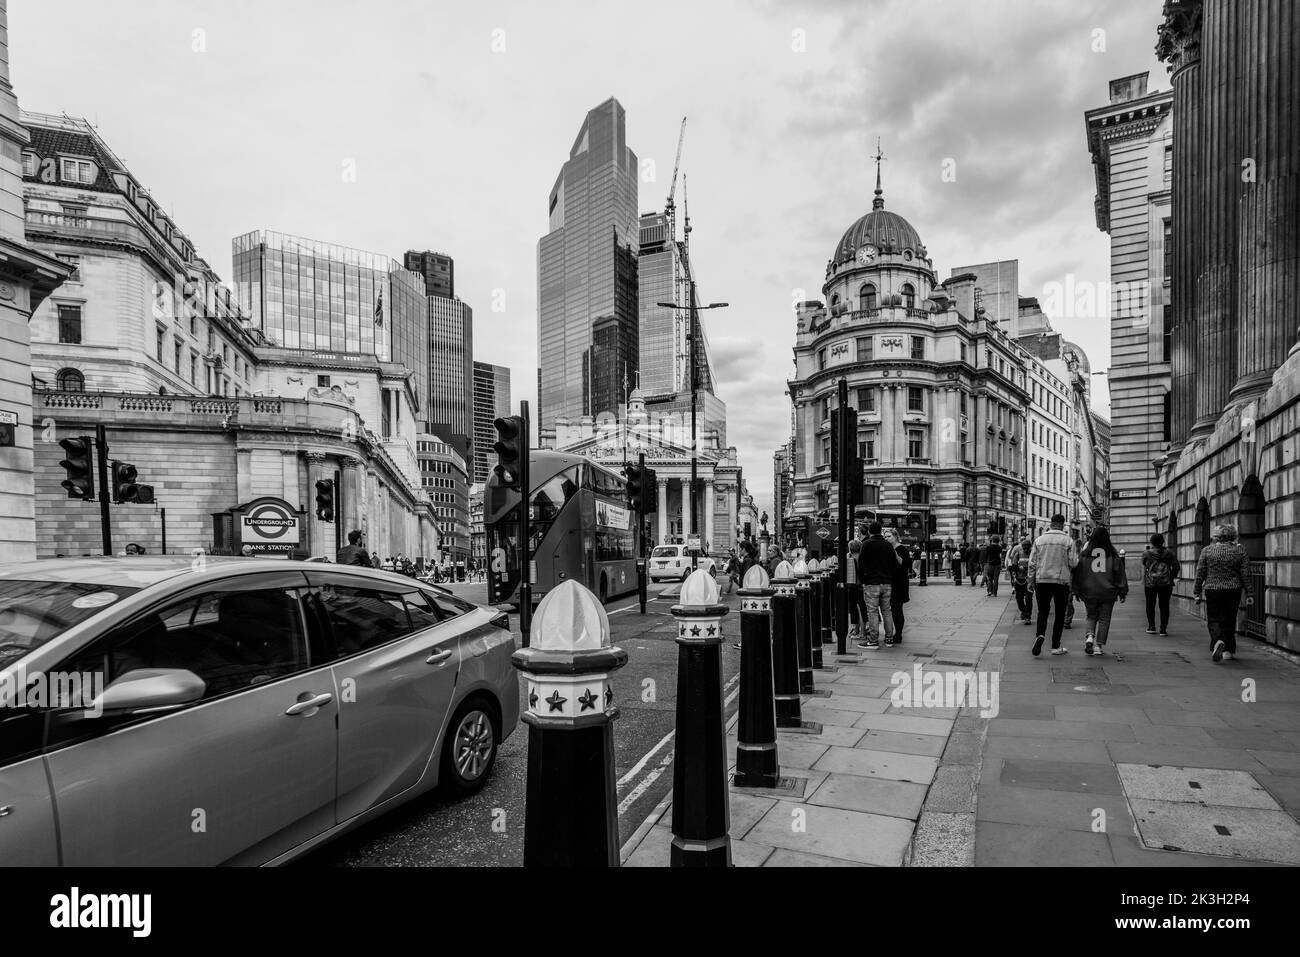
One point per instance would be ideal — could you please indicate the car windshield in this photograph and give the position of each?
(33, 612)
(664, 551)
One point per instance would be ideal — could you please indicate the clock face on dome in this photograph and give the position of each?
(866, 254)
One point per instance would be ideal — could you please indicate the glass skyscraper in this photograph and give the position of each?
(491, 399)
(321, 297)
(586, 270)
(451, 361)
(664, 348)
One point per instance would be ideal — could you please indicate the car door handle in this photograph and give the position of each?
(438, 657)
(310, 704)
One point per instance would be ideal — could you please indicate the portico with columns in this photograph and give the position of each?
(721, 487)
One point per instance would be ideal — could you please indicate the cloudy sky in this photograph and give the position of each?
(456, 117)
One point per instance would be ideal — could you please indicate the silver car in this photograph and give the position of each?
(233, 711)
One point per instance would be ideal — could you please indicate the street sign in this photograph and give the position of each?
(1128, 493)
(823, 532)
(8, 425)
(693, 541)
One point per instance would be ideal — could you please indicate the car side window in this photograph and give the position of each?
(422, 611)
(449, 607)
(364, 618)
(231, 639)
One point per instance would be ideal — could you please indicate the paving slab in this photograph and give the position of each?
(904, 723)
(853, 792)
(1047, 749)
(1076, 730)
(1047, 808)
(781, 857)
(1236, 832)
(878, 764)
(1019, 845)
(1196, 785)
(875, 739)
(1075, 776)
(1133, 753)
(833, 832)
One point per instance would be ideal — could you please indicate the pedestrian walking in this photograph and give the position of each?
(1160, 569)
(972, 557)
(352, 553)
(991, 561)
(1051, 567)
(900, 591)
(958, 560)
(1018, 571)
(877, 563)
(1099, 579)
(1222, 578)
(729, 569)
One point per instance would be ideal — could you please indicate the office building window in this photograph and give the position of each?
(963, 403)
(75, 263)
(70, 324)
(29, 164)
(909, 296)
(871, 495)
(918, 494)
(867, 399)
(918, 347)
(70, 380)
(1168, 332)
(161, 332)
(867, 296)
(963, 352)
(323, 382)
(77, 171)
(1169, 249)
(865, 349)
(1169, 417)
(824, 408)
(915, 399)
(826, 451)
(821, 359)
(194, 368)
(916, 443)
(867, 447)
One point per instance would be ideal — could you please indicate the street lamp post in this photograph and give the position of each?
(695, 384)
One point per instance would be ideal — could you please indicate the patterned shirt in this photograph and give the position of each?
(1222, 565)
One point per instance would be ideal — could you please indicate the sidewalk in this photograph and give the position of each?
(870, 769)
(1086, 761)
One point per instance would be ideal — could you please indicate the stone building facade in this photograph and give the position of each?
(1235, 295)
(940, 388)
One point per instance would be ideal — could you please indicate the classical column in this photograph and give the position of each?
(662, 485)
(321, 540)
(707, 508)
(1268, 244)
(244, 476)
(351, 516)
(732, 519)
(687, 524)
(1180, 46)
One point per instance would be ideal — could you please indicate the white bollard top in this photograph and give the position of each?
(800, 569)
(699, 589)
(814, 567)
(756, 578)
(571, 618)
(783, 570)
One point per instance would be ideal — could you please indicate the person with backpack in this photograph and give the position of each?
(1051, 567)
(991, 560)
(1099, 579)
(1222, 578)
(1018, 571)
(1160, 570)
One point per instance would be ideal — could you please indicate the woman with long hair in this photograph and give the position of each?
(1099, 579)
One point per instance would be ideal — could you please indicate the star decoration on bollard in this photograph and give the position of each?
(532, 696)
(587, 700)
(555, 701)
(695, 631)
(713, 630)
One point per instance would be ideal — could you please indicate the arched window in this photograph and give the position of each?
(868, 296)
(70, 380)
(918, 494)
(909, 296)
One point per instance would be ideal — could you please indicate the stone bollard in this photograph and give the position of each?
(815, 613)
(785, 654)
(803, 638)
(701, 812)
(756, 757)
(571, 802)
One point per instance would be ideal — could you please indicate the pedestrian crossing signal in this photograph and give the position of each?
(125, 488)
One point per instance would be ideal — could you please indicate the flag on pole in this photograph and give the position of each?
(379, 309)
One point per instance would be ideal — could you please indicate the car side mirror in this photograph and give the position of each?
(149, 690)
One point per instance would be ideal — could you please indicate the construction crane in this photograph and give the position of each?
(670, 209)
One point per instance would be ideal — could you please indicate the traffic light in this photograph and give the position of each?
(635, 488)
(511, 446)
(649, 492)
(80, 466)
(854, 483)
(125, 488)
(325, 500)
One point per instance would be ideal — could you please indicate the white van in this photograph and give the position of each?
(674, 562)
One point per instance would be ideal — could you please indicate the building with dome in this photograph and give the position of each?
(940, 389)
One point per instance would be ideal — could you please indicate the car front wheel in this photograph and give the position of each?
(470, 750)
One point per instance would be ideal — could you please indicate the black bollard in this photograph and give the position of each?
(571, 802)
(828, 605)
(756, 757)
(785, 651)
(803, 636)
(701, 811)
(815, 613)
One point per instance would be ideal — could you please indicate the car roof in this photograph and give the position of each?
(142, 571)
